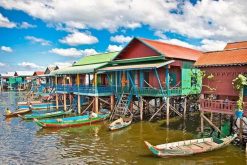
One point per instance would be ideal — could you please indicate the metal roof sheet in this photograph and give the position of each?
(137, 66)
(78, 69)
(97, 58)
(24, 73)
(225, 57)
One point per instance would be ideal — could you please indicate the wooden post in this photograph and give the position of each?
(211, 116)
(56, 101)
(64, 102)
(97, 104)
(167, 110)
(185, 106)
(202, 122)
(79, 104)
(141, 108)
(112, 102)
(241, 131)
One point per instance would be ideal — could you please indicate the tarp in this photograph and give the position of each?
(78, 69)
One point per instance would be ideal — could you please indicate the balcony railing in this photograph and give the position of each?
(220, 106)
(145, 91)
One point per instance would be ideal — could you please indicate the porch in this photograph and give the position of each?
(220, 106)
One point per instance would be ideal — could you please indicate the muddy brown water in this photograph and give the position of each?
(23, 142)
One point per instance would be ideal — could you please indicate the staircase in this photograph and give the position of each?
(122, 106)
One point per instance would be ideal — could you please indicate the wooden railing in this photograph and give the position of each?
(145, 91)
(220, 106)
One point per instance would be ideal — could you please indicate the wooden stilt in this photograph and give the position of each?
(167, 110)
(241, 132)
(185, 106)
(211, 116)
(112, 102)
(214, 126)
(96, 104)
(157, 112)
(64, 102)
(56, 101)
(79, 104)
(141, 108)
(202, 122)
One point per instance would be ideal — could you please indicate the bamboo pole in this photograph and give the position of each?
(202, 122)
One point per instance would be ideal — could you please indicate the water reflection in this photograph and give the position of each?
(23, 142)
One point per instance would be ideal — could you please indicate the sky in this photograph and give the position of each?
(40, 33)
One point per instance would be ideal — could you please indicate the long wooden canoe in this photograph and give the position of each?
(16, 113)
(75, 121)
(120, 123)
(45, 115)
(189, 147)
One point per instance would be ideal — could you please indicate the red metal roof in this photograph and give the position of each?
(173, 51)
(236, 45)
(37, 73)
(225, 57)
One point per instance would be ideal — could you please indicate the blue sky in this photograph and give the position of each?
(36, 34)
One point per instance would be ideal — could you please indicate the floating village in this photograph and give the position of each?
(147, 80)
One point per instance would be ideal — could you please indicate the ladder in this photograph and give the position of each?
(122, 107)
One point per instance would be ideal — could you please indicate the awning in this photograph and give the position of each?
(78, 69)
(137, 66)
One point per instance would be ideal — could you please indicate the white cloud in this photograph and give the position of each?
(120, 39)
(30, 65)
(38, 40)
(113, 48)
(205, 45)
(4, 22)
(78, 38)
(26, 25)
(208, 19)
(6, 49)
(72, 52)
(61, 64)
(2, 64)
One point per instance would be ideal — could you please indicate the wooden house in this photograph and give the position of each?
(82, 81)
(220, 68)
(152, 70)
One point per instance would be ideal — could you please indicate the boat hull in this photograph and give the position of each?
(68, 123)
(168, 150)
(15, 114)
(45, 115)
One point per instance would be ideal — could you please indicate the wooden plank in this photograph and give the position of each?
(215, 127)
(157, 111)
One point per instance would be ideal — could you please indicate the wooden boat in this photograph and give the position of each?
(16, 113)
(189, 147)
(120, 123)
(45, 115)
(70, 121)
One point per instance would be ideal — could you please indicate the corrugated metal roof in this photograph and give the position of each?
(172, 51)
(78, 69)
(137, 66)
(225, 57)
(236, 45)
(8, 74)
(23, 73)
(97, 58)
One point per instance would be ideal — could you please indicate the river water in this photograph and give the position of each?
(23, 142)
